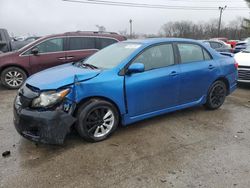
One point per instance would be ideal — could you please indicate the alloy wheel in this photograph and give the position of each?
(217, 96)
(14, 78)
(100, 121)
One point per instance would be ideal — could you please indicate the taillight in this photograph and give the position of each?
(236, 65)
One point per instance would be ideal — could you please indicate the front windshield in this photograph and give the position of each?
(113, 55)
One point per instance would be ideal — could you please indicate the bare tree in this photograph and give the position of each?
(203, 30)
(246, 24)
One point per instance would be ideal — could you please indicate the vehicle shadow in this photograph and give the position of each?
(244, 85)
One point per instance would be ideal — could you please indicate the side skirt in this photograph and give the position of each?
(126, 119)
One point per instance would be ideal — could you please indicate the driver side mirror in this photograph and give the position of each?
(135, 68)
(34, 51)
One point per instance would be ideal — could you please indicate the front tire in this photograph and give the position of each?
(13, 77)
(97, 120)
(216, 95)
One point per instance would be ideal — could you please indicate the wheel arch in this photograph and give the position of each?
(14, 65)
(225, 81)
(88, 99)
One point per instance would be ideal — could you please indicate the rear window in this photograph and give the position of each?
(104, 42)
(215, 45)
(192, 53)
(80, 43)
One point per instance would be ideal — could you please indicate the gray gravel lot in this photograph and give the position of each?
(188, 148)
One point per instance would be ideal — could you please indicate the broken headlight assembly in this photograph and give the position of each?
(50, 98)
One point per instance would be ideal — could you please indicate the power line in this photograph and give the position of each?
(205, 1)
(145, 5)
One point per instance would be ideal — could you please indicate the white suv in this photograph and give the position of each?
(243, 59)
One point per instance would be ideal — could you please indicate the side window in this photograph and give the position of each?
(104, 42)
(215, 45)
(52, 45)
(156, 57)
(206, 55)
(190, 53)
(81, 43)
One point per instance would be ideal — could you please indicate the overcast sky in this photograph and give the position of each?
(42, 17)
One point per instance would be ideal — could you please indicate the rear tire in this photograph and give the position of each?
(216, 95)
(97, 120)
(13, 77)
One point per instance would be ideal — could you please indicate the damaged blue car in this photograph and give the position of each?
(122, 84)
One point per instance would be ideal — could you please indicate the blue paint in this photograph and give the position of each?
(145, 94)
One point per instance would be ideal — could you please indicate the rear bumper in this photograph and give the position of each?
(49, 127)
(244, 81)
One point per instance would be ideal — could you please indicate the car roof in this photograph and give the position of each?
(86, 33)
(159, 40)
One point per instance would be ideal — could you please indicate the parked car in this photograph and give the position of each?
(31, 39)
(219, 46)
(124, 83)
(7, 44)
(240, 46)
(242, 58)
(51, 51)
(230, 43)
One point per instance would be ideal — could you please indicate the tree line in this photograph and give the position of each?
(205, 30)
(233, 30)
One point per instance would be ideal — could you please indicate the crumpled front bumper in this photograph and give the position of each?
(49, 127)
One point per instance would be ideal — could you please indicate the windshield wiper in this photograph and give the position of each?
(85, 65)
(89, 65)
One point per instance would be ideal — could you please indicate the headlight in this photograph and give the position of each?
(49, 98)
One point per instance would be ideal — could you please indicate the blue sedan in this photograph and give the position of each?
(124, 83)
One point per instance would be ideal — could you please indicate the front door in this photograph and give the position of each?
(157, 87)
(50, 53)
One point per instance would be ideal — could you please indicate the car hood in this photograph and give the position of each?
(60, 76)
(242, 58)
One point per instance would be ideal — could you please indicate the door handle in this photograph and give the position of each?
(61, 58)
(173, 73)
(211, 67)
(69, 57)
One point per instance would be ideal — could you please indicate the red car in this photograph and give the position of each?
(51, 51)
(231, 42)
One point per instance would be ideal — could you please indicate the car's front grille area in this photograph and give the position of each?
(244, 73)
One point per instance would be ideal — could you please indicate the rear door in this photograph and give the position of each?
(157, 87)
(79, 48)
(50, 53)
(198, 70)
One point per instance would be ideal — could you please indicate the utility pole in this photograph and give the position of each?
(221, 11)
(131, 28)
